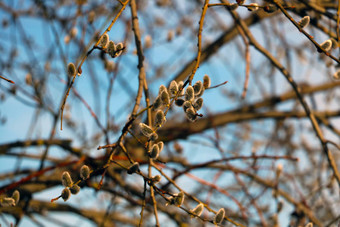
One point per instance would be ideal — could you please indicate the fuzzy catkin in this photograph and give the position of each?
(159, 118)
(197, 87)
(133, 168)
(16, 196)
(206, 81)
(71, 69)
(219, 216)
(84, 172)
(326, 45)
(179, 199)
(104, 40)
(304, 22)
(198, 209)
(154, 152)
(173, 88)
(66, 179)
(189, 94)
(111, 48)
(198, 104)
(191, 114)
(156, 179)
(165, 98)
(74, 189)
(146, 130)
(65, 194)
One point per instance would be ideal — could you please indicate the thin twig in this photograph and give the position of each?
(16, 184)
(191, 196)
(247, 56)
(218, 85)
(107, 146)
(338, 23)
(143, 83)
(226, 37)
(333, 143)
(93, 114)
(143, 205)
(311, 38)
(199, 43)
(121, 145)
(246, 81)
(252, 199)
(10, 81)
(226, 160)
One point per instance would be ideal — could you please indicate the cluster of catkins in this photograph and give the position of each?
(269, 8)
(218, 218)
(70, 187)
(192, 100)
(327, 45)
(107, 45)
(114, 50)
(10, 201)
(177, 200)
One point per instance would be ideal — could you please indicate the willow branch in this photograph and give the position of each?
(79, 70)
(199, 42)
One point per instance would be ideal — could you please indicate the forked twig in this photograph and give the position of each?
(79, 70)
